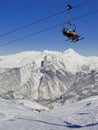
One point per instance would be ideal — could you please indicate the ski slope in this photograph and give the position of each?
(15, 115)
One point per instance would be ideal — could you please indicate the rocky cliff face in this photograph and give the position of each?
(48, 77)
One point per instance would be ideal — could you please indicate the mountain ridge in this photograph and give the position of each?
(24, 58)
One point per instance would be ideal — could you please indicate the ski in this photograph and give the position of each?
(78, 40)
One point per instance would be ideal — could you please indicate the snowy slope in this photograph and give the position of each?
(49, 77)
(82, 115)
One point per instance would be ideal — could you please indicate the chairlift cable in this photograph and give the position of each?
(42, 19)
(32, 34)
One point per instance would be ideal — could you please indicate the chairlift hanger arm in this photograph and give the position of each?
(69, 8)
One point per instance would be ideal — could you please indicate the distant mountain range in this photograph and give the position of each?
(49, 77)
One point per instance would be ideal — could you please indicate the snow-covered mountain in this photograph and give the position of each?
(48, 77)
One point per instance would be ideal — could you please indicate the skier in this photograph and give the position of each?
(66, 32)
(74, 35)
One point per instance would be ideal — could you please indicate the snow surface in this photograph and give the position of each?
(17, 115)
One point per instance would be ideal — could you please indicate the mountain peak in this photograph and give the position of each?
(70, 51)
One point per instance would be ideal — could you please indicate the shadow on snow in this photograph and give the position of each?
(67, 124)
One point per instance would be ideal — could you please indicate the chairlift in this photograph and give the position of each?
(70, 33)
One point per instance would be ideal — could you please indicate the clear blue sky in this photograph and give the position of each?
(17, 13)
